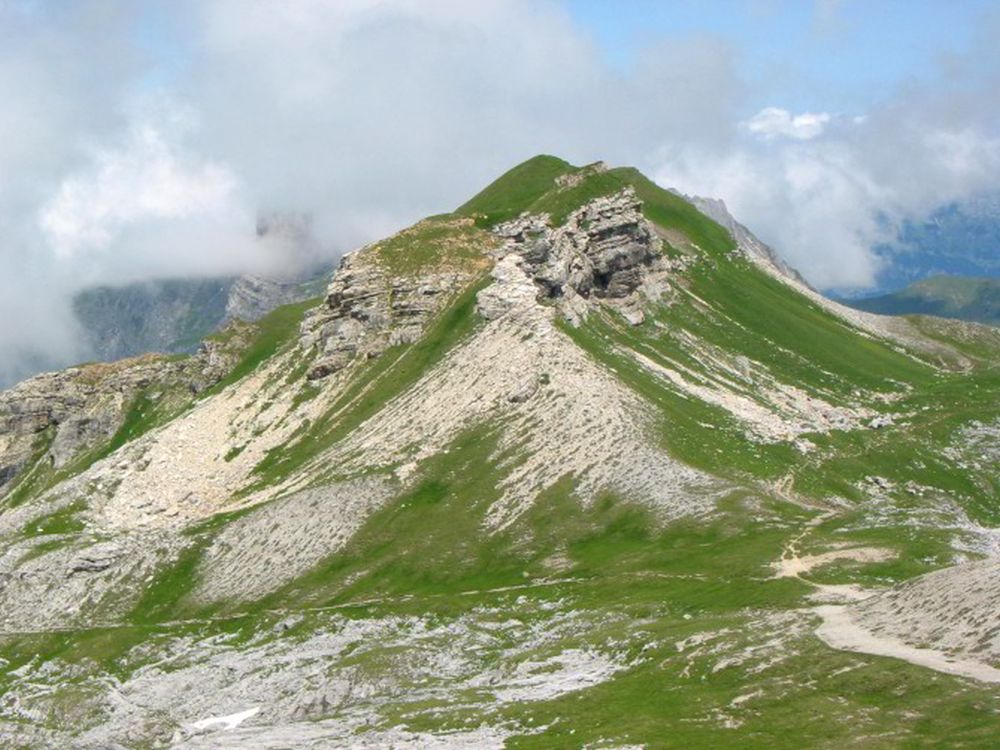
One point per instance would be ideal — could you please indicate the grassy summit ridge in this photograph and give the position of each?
(533, 187)
(516, 189)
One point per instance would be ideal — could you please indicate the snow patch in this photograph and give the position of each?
(226, 723)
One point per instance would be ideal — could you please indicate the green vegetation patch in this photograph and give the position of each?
(445, 243)
(697, 433)
(516, 190)
(533, 186)
(66, 520)
(436, 540)
(36, 477)
(272, 333)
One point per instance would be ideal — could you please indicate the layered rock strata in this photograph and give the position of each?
(58, 416)
(367, 310)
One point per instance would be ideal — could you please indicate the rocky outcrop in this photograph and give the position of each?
(605, 250)
(78, 580)
(56, 417)
(367, 310)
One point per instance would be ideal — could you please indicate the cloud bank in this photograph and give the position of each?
(140, 140)
(774, 122)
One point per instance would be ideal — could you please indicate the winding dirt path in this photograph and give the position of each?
(839, 629)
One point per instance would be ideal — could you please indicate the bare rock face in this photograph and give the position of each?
(953, 609)
(82, 580)
(57, 417)
(368, 310)
(605, 250)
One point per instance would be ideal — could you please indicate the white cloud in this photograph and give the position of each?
(145, 180)
(772, 122)
(825, 202)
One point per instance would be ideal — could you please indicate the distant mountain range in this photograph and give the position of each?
(957, 240)
(964, 298)
(172, 316)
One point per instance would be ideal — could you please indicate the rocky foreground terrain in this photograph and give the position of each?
(571, 466)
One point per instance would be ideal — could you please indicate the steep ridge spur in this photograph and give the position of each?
(561, 413)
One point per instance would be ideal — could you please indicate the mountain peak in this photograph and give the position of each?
(517, 188)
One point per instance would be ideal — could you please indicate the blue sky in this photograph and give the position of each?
(828, 55)
(843, 56)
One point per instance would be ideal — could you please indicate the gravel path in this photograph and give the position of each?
(840, 631)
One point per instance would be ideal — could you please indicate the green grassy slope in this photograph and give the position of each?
(515, 190)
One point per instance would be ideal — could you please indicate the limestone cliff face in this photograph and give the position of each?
(366, 311)
(605, 253)
(384, 294)
(57, 417)
(604, 249)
